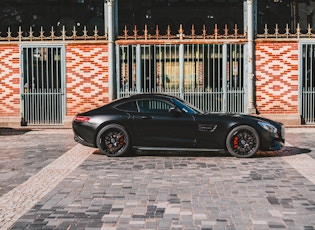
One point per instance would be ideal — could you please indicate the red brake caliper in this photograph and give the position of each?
(121, 140)
(235, 142)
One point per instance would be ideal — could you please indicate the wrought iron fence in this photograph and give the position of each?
(210, 76)
(232, 99)
(308, 104)
(307, 82)
(42, 85)
(144, 34)
(64, 35)
(43, 106)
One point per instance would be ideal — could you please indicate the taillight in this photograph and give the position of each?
(81, 118)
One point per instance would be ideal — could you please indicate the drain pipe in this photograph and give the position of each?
(250, 61)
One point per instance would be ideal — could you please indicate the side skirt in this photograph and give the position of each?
(176, 149)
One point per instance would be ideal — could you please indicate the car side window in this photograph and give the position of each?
(128, 107)
(154, 106)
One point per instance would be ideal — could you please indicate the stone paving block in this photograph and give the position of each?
(172, 191)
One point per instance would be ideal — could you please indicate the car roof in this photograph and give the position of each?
(142, 96)
(150, 95)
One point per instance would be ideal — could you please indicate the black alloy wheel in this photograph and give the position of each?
(243, 141)
(113, 140)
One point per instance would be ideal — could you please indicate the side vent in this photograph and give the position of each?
(207, 128)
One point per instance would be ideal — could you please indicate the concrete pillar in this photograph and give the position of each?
(110, 28)
(251, 57)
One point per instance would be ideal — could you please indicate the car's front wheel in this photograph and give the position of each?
(243, 141)
(113, 140)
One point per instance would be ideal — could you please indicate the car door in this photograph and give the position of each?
(160, 124)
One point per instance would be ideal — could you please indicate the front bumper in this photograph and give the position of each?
(276, 145)
(278, 141)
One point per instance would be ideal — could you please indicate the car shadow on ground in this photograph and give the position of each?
(12, 131)
(156, 153)
(286, 151)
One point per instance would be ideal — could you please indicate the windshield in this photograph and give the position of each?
(187, 107)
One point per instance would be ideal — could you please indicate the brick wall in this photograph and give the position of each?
(9, 80)
(277, 78)
(86, 76)
(87, 79)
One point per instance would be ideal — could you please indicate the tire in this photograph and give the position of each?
(243, 141)
(113, 140)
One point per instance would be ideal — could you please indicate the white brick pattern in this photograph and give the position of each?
(87, 77)
(9, 81)
(277, 78)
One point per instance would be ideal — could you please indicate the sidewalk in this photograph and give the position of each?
(54, 183)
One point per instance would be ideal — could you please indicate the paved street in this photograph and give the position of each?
(47, 181)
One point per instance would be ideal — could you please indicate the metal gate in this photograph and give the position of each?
(43, 85)
(307, 83)
(210, 76)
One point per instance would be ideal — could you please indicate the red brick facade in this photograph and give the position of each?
(86, 76)
(9, 80)
(87, 79)
(277, 78)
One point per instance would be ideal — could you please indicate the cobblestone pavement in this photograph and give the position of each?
(47, 181)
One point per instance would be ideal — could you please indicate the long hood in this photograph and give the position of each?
(235, 117)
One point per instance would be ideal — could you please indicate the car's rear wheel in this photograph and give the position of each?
(243, 141)
(113, 140)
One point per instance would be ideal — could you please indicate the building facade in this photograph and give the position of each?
(46, 78)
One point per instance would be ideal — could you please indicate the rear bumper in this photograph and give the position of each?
(80, 140)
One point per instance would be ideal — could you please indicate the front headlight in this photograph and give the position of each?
(267, 126)
(282, 132)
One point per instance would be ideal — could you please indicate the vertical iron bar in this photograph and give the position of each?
(138, 69)
(119, 74)
(181, 70)
(224, 78)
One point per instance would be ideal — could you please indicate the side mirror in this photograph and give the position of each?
(175, 111)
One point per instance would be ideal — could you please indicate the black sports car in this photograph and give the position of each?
(164, 122)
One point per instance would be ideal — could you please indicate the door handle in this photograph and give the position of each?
(146, 117)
